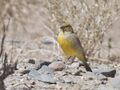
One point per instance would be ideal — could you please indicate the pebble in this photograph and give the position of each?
(74, 71)
(45, 74)
(41, 63)
(109, 73)
(57, 66)
(75, 65)
(32, 61)
(105, 72)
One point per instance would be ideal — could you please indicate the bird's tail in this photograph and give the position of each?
(87, 67)
(84, 60)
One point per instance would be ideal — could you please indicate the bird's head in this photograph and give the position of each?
(67, 28)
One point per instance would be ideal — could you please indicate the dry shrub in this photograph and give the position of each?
(91, 19)
(20, 12)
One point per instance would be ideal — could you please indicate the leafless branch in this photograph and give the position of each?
(7, 68)
(5, 28)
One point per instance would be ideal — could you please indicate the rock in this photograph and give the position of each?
(74, 71)
(32, 61)
(45, 70)
(115, 82)
(45, 74)
(57, 66)
(75, 65)
(105, 72)
(34, 74)
(24, 71)
(41, 63)
(109, 73)
(36, 66)
(33, 83)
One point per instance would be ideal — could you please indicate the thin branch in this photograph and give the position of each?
(3, 40)
(5, 28)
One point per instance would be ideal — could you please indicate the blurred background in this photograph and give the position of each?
(34, 24)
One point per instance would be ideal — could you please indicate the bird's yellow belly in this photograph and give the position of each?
(68, 50)
(66, 46)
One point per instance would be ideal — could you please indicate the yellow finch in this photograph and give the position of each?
(71, 45)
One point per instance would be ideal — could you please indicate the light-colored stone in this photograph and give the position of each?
(57, 66)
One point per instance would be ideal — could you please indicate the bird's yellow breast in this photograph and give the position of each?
(66, 45)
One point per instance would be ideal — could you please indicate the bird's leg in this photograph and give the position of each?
(70, 60)
(69, 57)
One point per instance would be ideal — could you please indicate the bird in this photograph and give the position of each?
(71, 45)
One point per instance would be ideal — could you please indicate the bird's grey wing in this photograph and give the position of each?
(75, 43)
